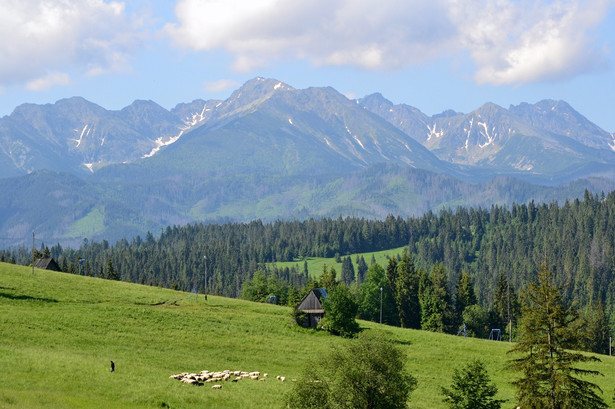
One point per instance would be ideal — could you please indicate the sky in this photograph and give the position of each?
(431, 54)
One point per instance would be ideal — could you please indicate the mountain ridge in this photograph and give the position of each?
(271, 151)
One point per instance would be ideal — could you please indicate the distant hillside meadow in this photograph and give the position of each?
(61, 331)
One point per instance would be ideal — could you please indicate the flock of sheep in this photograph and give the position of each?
(211, 377)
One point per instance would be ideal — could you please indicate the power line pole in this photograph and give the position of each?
(205, 258)
(33, 248)
(381, 305)
(509, 318)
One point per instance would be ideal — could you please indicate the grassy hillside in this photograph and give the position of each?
(315, 264)
(58, 333)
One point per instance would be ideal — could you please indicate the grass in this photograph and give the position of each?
(90, 224)
(315, 264)
(59, 332)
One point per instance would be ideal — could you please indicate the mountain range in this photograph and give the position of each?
(74, 170)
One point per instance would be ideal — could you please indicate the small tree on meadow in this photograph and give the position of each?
(365, 373)
(472, 389)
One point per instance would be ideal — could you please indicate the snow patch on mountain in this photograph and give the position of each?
(356, 138)
(190, 122)
(84, 132)
(160, 142)
(485, 132)
(329, 144)
(468, 131)
(196, 117)
(434, 132)
(612, 145)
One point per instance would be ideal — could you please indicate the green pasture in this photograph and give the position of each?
(315, 264)
(59, 332)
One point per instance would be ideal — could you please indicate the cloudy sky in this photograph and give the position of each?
(431, 54)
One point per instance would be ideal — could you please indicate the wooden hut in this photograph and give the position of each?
(47, 263)
(311, 305)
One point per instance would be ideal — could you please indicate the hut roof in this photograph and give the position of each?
(312, 302)
(47, 263)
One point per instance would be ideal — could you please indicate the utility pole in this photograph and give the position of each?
(381, 305)
(509, 318)
(205, 258)
(33, 248)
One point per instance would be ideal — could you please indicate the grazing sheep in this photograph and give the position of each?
(210, 377)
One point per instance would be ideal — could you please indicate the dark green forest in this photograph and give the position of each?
(491, 247)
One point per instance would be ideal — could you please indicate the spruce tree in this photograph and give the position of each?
(464, 296)
(547, 365)
(328, 279)
(407, 294)
(112, 273)
(361, 269)
(435, 300)
(348, 275)
(505, 304)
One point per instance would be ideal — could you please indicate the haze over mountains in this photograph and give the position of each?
(73, 169)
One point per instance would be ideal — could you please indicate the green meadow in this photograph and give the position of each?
(59, 332)
(315, 264)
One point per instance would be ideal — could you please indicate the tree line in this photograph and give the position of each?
(497, 249)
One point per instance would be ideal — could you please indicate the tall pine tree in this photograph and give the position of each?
(361, 269)
(464, 296)
(407, 293)
(547, 365)
(506, 306)
(435, 300)
(347, 271)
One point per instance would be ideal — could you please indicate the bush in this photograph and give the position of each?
(471, 389)
(368, 372)
(299, 317)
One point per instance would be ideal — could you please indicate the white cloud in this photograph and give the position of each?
(42, 38)
(526, 41)
(509, 41)
(363, 33)
(220, 85)
(46, 82)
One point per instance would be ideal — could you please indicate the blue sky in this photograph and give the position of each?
(431, 54)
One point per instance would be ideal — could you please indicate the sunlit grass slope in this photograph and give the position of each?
(59, 332)
(315, 264)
